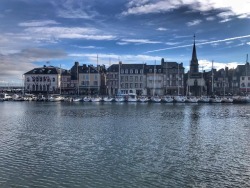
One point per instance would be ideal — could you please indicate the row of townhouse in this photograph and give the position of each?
(143, 79)
(168, 78)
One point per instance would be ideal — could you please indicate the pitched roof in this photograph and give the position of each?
(45, 70)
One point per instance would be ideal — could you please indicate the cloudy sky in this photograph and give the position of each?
(60, 32)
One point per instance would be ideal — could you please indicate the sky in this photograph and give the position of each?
(34, 33)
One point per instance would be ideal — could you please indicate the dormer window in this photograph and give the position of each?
(131, 71)
(126, 71)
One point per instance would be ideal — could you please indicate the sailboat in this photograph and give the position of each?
(97, 98)
(88, 98)
(119, 97)
(213, 98)
(155, 98)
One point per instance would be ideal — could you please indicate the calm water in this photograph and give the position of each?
(124, 145)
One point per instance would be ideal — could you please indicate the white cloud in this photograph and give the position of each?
(248, 43)
(108, 59)
(161, 29)
(207, 65)
(73, 9)
(14, 65)
(38, 23)
(240, 9)
(140, 41)
(53, 33)
(210, 18)
(193, 23)
(202, 43)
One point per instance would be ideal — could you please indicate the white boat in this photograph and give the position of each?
(155, 99)
(55, 98)
(180, 99)
(120, 98)
(215, 99)
(204, 99)
(5, 97)
(143, 99)
(87, 99)
(76, 99)
(108, 99)
(96, 99)
(167, 99)
(226, 100)
(191, 100)
(132, 97)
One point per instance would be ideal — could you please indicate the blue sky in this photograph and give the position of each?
(33, 32)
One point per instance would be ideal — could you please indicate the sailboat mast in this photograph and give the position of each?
(77, 73)
(178, 81)
(89, 81)
(246, 74)
(60, 79)
(98, 90)
(119, 75)
(154, 79)
(212, 76)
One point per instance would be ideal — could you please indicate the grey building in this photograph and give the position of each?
(126, 78)
(173, 75)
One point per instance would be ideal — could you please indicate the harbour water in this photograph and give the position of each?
(65, 144)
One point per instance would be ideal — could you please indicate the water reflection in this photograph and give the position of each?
(124, 145)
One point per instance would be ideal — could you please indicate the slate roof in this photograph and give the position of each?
(45, 70)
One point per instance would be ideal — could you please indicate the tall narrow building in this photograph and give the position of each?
(194, 65)
(195, 83)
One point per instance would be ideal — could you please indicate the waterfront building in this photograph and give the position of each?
(155, 80)
(173, 76)
(126, 78)
(195, 82)
(46, 79)
(221, 82)
(245, 79)
(89, 79)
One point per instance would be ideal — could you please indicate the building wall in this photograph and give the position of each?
(42, 83)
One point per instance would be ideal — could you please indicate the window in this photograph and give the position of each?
(131, 71)
(95, 83)
(141, 78)
(150, 70)
(140, 85)
(122, 78)
(96, 77)
(136, 85)
(86, 77)
(122, 71)
(131, 78)
(136, 71)
(131, 85)
(126, 78)
(141, 71)
(248, 85)
(126, 71)
(159, 70)
(243, 78)
(28, 79)
(248, 78)
(53, 79)
(136, 78)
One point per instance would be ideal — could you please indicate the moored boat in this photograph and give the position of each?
(167, 99)
(155, 99)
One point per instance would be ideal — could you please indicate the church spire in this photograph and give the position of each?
(194, 56)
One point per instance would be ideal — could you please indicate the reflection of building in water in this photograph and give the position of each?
(195, 82)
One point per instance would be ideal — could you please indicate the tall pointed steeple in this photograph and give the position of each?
(194, 56)
(194, 66)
